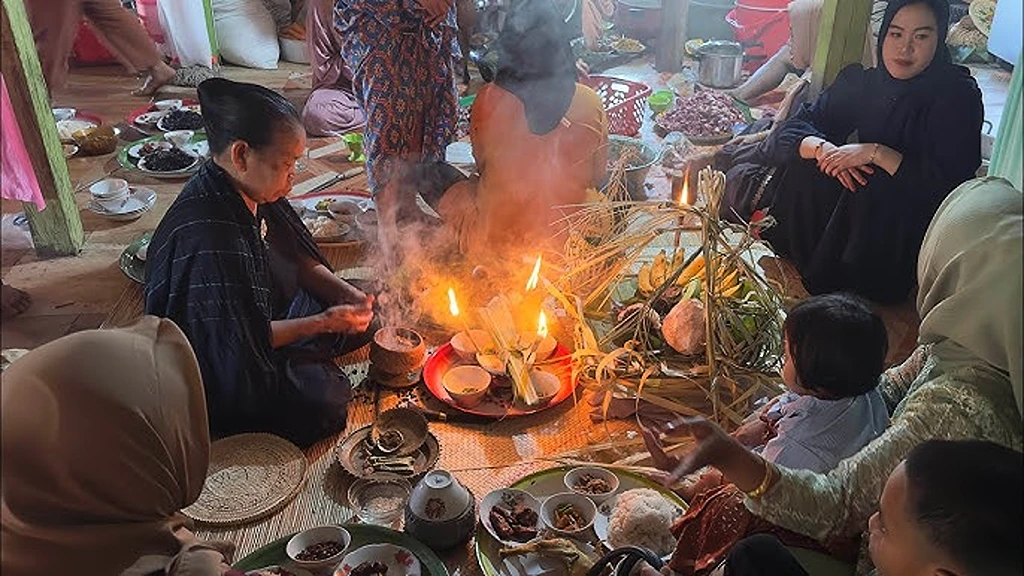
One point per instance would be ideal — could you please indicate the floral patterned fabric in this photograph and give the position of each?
(404, 80)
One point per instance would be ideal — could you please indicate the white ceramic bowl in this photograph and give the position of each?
(467, 385)
(109, 187)
(179, 137)
(466, 343)
(496, 497)
(545, 384)
(492, 363)
(64, 114)
(308, 538)
(573, 477)
(585, 506)
(167, 105)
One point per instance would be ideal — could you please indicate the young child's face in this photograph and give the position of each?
(789, 370)
(898, 545)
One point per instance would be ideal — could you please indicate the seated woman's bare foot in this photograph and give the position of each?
(156, 77)
(14, 301)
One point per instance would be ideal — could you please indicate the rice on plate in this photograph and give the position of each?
(643, 517)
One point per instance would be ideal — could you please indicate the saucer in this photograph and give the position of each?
(140, 200)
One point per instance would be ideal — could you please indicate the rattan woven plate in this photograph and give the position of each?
(250, 476)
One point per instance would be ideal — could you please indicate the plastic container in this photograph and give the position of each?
(762, 27)
(624, 101)
(706, 20)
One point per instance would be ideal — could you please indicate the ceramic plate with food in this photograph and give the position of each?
(148, 147)
(335, 204)
(278, 571)
(147, 116)
(181, 119)
(379, 560)
(511, 516)
(172, 161)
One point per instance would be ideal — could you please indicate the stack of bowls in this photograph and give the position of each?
(110, 193)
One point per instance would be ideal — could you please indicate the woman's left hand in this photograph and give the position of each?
(846, 157)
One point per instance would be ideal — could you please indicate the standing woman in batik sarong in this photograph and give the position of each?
(402, 54)
(235, 268)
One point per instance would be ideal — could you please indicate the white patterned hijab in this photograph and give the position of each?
(970, 275)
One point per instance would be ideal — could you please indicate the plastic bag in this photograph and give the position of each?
(188, 37)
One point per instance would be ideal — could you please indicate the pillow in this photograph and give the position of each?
(246, 33)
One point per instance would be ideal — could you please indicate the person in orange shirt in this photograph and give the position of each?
(540, 140)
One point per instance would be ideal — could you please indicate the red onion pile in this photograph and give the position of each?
(705, 113)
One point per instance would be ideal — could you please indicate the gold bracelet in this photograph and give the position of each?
(874, 153)
(765, 482)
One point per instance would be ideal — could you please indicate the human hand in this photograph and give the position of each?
(834, 161)
(851, 178)
(348, 318)
(709, 479)
(660, 459)
(436, 10)
(582, 69)
(752, 434)
(714, 447)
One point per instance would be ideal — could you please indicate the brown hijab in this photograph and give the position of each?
(105, 438)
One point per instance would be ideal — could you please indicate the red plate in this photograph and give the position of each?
(445, 359)
(152, 108)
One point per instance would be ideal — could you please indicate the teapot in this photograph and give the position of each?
(441, 511)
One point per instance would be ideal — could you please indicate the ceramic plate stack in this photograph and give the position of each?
(139, 201)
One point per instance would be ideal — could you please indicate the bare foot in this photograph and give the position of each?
(157, 77)
(14, 301)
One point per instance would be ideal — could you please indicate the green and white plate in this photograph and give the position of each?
(130, 263)
(198, 146)
(362, 535)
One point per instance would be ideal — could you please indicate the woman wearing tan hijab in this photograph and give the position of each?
(105, 439)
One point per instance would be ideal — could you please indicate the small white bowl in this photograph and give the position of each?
(545, 384)
(307, 538)
(573, 477)
(64, 114)
(466, 343)
(467, 385)
(109, 187)
(168, 105)
(492, 363)
(585, 506)
(179, 138)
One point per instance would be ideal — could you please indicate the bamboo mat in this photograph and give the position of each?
(483, 456)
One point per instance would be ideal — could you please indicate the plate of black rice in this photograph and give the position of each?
(181, 119)
(173, 161)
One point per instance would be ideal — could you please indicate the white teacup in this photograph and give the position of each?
(110, 193)
(179, 137)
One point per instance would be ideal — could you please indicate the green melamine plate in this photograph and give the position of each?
(546, 483)
(197, 146)
(133, 266)
(362, 534)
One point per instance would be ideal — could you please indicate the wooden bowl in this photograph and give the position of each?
(397, 350)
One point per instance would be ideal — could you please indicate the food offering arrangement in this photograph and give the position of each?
(561, 521)
(504, 367)
(84, 134)
(693, 327)
(178, 147)
(168, 116)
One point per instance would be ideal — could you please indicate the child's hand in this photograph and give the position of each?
(660, 459)
(753, 433)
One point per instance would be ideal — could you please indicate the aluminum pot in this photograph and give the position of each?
(721, 64)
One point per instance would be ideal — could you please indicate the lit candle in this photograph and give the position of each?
(453, 307)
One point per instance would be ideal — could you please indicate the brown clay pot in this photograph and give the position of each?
(397, 350)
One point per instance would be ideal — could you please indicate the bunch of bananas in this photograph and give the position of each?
(653, 275)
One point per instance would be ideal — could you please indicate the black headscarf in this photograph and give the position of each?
(536, 63)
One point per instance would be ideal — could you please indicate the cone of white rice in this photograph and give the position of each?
(642, 517)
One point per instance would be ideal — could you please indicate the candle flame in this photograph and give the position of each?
(542, 325)
(453, 305)
(685, 197)
(535, 276)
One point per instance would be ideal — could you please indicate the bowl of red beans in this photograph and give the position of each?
(318, 548)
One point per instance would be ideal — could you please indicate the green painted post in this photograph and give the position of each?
(57, 230)
(843, 28)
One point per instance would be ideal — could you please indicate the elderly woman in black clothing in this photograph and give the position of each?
(854, 178)
(234, 267)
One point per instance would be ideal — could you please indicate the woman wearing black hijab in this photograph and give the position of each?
(854, 178)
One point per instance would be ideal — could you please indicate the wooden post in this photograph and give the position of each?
(57, 230)
(669, 55)
(843, 28)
